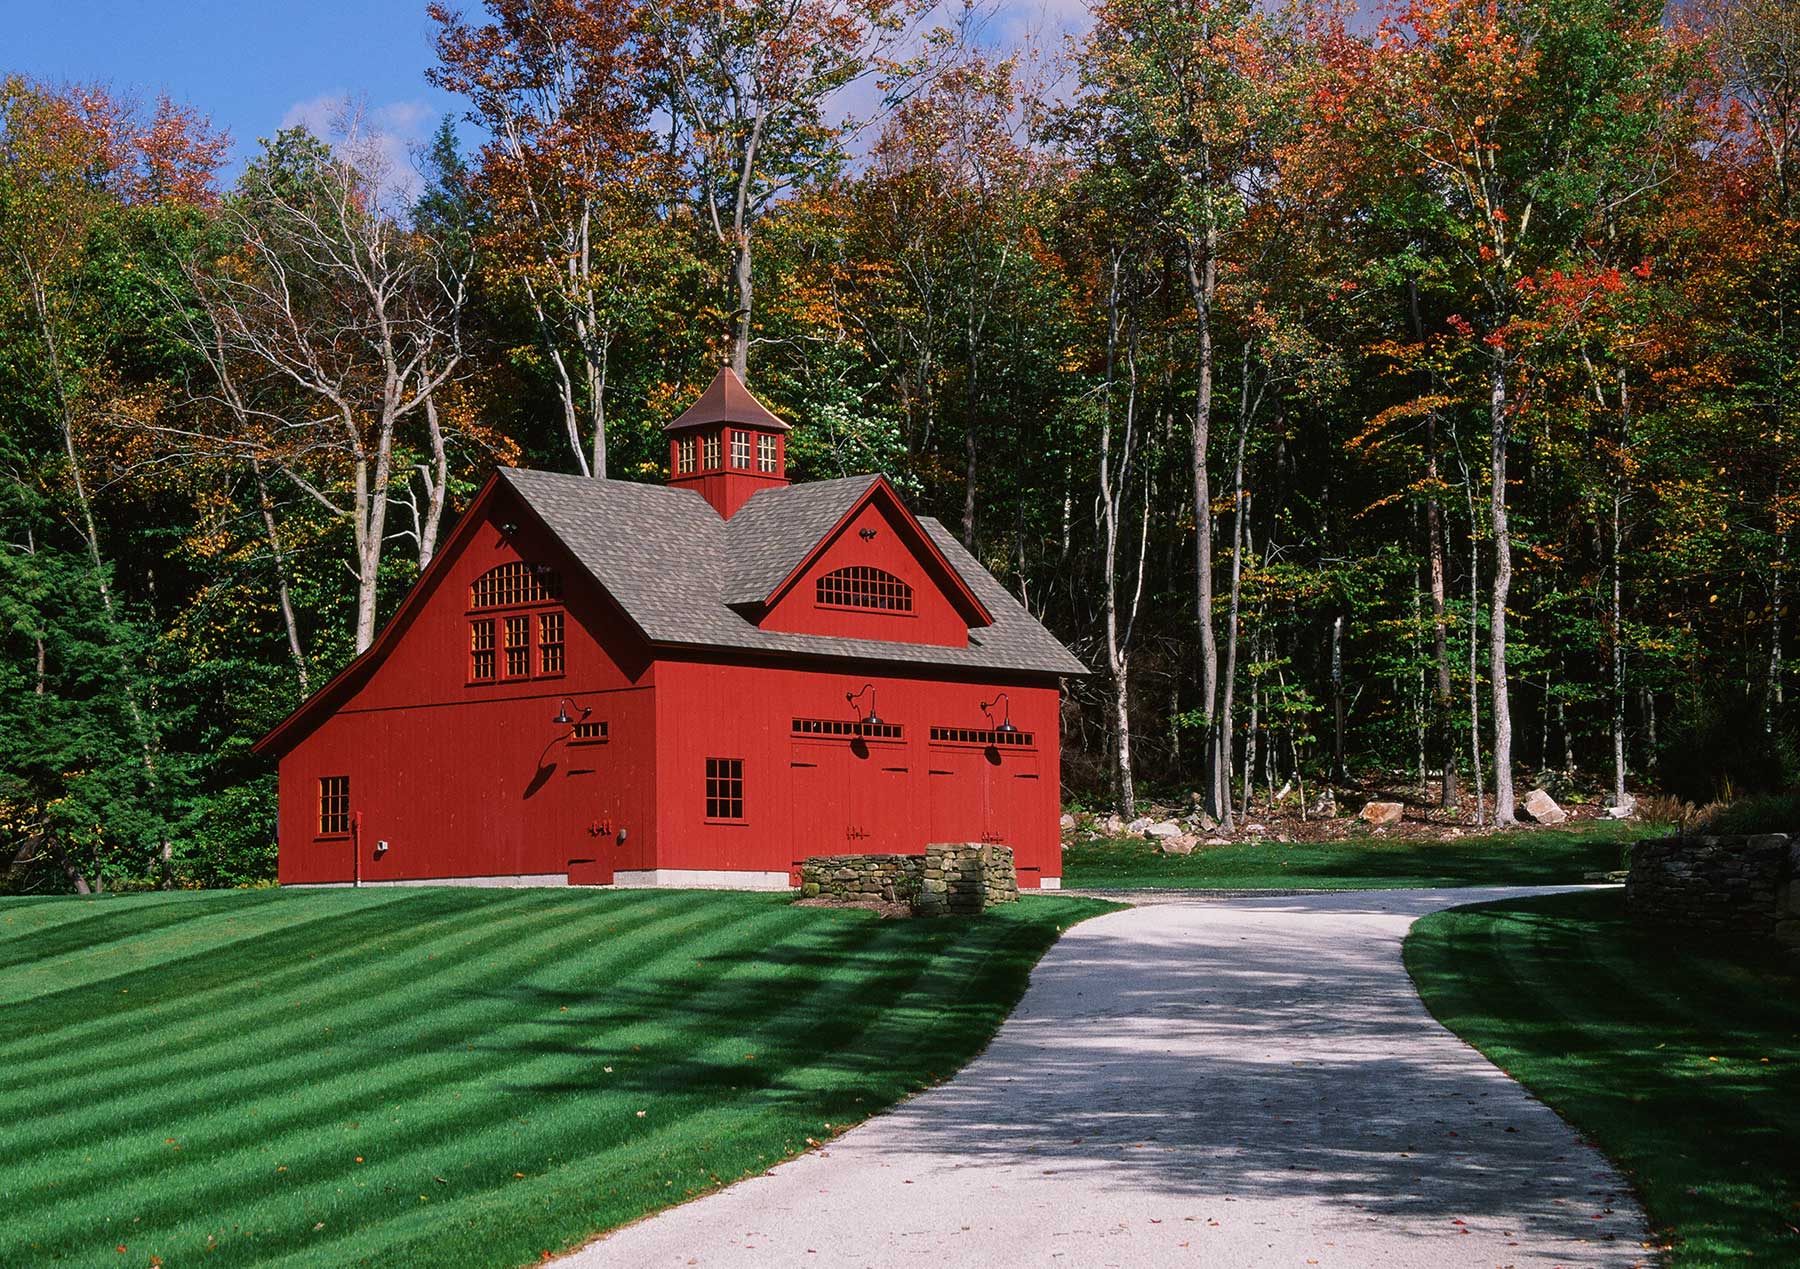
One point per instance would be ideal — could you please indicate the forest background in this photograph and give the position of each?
(1400, 396)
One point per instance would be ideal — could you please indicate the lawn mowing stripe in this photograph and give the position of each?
(291, 1034)
(204, 963)
(428, 1132)
(590, 1161)
(695, 1169)
(280, 953)
(105, 924)
(339, 1152)
(385, 1093)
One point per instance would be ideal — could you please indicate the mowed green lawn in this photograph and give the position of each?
(1680, 1060)
(451, 1076)
(1525, 857)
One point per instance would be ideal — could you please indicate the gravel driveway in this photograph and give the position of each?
(1193, 1081)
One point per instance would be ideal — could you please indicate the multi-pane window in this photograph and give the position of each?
(765, 454)
(724, 788)
(589, 733)
(516, 585)
(481, 649)
(513, 584)
(518, 647)
(550, 643)
(709, 451)
(740, 449)
(981, 736)
(862, 587)
(684, 456)
(334, 806)
(846, 728)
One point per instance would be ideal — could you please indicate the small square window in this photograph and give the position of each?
(550, 643)
(724, 788)
(481, 649)
(740, 450)
(334, 806)
(765, 454)
(709, 451)
(684, 456)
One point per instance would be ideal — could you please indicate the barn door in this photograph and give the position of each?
(592, 788)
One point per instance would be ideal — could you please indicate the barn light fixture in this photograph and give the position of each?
(562, 718)
(1006, 723)
(870, 719)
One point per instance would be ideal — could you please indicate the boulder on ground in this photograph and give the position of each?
(1164, 829)
(1201, 822)
(1182, 845)
(1255, 828)
(1624, 810)
(1215, 841)
(1541, 807)
(1138, 825)
(1068, 822)
(1324, 806)
(1112, 826)
(1379, 813)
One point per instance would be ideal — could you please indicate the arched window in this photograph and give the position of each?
(513, 585)
(502, 646)
(862, 587)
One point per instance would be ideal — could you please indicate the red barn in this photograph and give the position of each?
(600, 682)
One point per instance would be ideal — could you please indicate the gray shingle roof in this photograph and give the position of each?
(673, 565)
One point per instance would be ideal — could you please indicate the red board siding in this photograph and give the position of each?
(932, 619)
(469, 781)
(809, 796)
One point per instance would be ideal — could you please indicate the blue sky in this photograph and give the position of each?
(254, 66)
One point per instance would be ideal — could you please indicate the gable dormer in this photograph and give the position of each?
(727, 446)
(846, 559)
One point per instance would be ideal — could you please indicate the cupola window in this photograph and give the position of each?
(860, 586)
(684, 456)
(709, 451)
(765, 454)
(740, 450)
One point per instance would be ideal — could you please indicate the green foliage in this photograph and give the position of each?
(1715, 749)
(1762, 813)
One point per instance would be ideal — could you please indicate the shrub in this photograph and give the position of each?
(1765, 813)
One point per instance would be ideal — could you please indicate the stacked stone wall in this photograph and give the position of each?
(958, 878)
(1741, 886)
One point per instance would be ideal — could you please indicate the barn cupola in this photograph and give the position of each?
(727, 445)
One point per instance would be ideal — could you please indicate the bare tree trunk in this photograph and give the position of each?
(1773, 693)
(1617, 615)
(1240, 513)
(1475, 764)
(740, 318)
(437, 481)
(1505, 815)
(266, 505)
(1202, 279)
(1338, 774)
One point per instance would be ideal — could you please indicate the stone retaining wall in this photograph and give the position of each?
(1746, 886)
(950, 877)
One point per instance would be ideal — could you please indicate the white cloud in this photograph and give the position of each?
(392, 131)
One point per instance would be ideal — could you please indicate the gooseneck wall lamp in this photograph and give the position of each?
(870, 719)
(562, 718)
(1006, 722)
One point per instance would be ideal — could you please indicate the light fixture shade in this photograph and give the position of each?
(1007, 726)
(562, 718)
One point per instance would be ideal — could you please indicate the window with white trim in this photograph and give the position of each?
(740, 449)
(684, 456)
(709, 452)
(765, 454)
